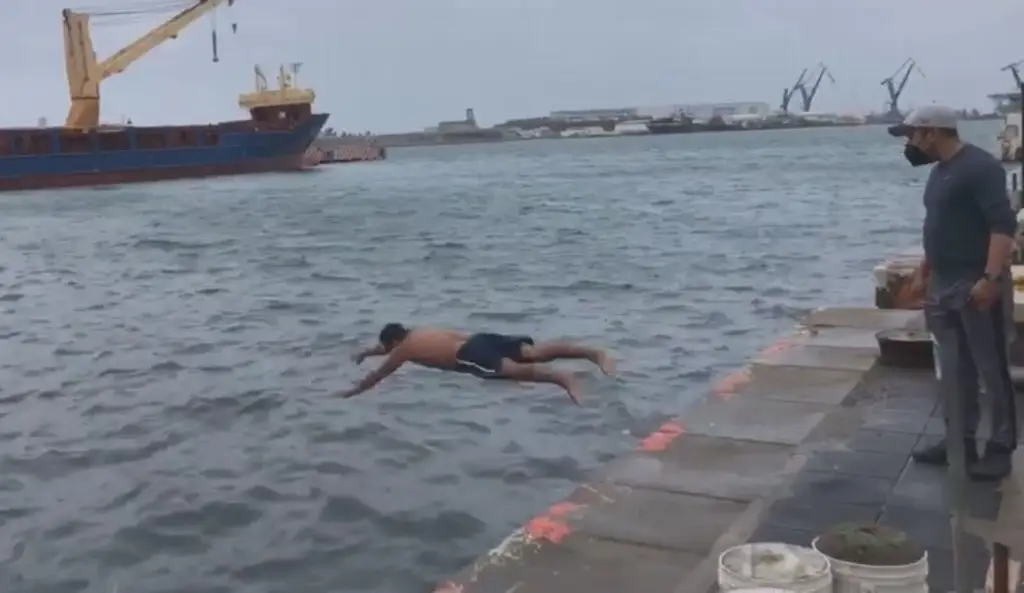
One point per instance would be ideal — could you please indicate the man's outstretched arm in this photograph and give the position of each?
(375, 350)
(391, 364)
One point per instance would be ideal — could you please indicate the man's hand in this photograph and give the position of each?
(984, 293)
(392, 364)
(359, 357)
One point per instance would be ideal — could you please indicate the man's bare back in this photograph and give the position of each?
(434, 348)
(486, 355)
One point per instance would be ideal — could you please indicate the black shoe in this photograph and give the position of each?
(996, 464)
(938, 455)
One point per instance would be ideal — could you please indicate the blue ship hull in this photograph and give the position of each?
(37, 158)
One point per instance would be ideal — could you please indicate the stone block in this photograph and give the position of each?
(694, 464)
(769, 421)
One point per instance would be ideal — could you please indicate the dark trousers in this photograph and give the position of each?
(972, 345)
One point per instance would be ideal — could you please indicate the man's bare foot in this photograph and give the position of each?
(572, 388)
(606, 363)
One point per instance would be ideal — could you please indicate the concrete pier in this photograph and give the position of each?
(327, 150)
(812, 433)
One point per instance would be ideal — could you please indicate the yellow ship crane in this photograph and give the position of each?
(84, 72)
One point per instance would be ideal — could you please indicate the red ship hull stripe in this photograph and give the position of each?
(284, 163)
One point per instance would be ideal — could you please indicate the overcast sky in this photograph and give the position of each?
(393, 65)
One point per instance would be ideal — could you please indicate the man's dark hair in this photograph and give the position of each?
(392, 334)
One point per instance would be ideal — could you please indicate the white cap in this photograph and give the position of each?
(929, 116)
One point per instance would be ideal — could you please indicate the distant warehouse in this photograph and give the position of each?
(703, 111)
(724, 110)
(623, 113)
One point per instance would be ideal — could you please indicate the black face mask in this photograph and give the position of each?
(917, 157)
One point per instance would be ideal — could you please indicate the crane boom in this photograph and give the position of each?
(896, 91)
(787, 94)
(118, 62)
(808, 96)
(85, 74)
(906, 77)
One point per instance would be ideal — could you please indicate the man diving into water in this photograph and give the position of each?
(489, 356)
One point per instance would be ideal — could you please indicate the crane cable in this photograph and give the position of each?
(138, 11)
(136, 8)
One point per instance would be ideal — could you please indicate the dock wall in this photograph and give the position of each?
(764, 442)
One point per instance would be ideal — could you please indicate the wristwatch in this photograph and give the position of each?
(992, 278)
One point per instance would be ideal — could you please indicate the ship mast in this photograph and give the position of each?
(85, 74)
(287, 93)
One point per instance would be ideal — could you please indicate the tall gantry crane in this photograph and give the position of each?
(896, 90)
(787, 93)
(806, 96)
(85, 73)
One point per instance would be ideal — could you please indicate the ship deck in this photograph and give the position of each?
(812, 433)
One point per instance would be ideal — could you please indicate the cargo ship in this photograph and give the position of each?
(83, 152)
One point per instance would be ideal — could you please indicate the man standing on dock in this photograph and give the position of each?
(969, 230)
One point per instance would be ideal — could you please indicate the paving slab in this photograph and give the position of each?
(908, 390)
(883, 441)
(859, 463)
(769, 421)
(767, 532)
(807, 385)
(929, 526)
(876, 319)
(837, 337)
(659, 519)
(579, 563)
(895, 420)
(819, 515)
(813, 486)
(926, 487)
(695, 464)
(819, 357)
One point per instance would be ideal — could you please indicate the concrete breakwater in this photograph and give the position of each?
(329, 150)
(813, 432)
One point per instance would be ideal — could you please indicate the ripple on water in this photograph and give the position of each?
(170, 351)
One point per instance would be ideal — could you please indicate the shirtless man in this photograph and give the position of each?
(489, 356)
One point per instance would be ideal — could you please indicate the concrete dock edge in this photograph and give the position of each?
(766, 437)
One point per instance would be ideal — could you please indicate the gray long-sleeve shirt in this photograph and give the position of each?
(965, 202)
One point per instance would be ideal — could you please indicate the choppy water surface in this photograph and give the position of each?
(169, 351)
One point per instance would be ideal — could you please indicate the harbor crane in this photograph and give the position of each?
(787, 94)
(896, 90)
(808, 96)
(85, 73)
(1014, 69)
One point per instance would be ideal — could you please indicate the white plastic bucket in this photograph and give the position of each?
(765, 565)
(850, 577)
